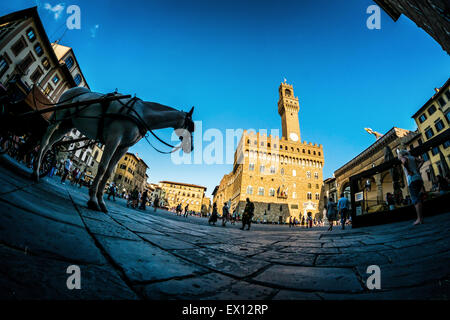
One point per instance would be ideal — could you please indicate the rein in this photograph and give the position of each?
(143, 124)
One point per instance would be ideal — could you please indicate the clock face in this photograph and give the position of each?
(293, 136)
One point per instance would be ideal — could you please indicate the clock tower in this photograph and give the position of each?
(288, 108)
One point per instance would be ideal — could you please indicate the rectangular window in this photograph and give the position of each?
(251, 166)
(446, 144)
(18, 46)
(441, 101)
(26, 63)
(439, 125)
(55, 79)
(36, 75)
(272, 169)
(422, 118)
(447, 94)
(435, 151)
(261, 169)
(447, 116)
(429, 133)
(3, 66)
(431, 109)
(48, 89)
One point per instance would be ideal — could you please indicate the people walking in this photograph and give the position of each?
(248, 214)
(331, 212)
(112, 191)
(155, 203)
(178, 209)
(343, 206)
(67, 168)
(411, 166)
(134, 197)
(81, 178)
(144, 200)
(213, 218)
(186, 210)
(225, 214)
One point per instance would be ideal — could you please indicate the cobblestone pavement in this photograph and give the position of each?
(132, 254)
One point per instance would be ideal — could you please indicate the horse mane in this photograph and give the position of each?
(158, 107)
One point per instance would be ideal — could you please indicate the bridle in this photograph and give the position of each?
(188, 125)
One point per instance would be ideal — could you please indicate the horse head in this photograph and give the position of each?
(184, 132)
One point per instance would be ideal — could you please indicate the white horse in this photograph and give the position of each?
(118, 125)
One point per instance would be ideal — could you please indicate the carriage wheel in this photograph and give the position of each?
(47, 163)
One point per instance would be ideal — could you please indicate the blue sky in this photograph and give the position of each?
(227, 58)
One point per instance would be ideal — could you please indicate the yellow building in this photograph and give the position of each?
(282, 177)
(130, 172)
(184, 193)
(432, 119)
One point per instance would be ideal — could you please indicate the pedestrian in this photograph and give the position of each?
(112, 191)
(290, 222)
(411, 166)
(82, 177)
(186, 210)
(144, 199)
(331, 212)
(310, 221)
(155, 202)
(134, 197)
(234, 216)
(248, 214)
(213, 218)
(225, 214)
(442, 183)
(178, 209)
(390, 201)
(343, 206)
(67, 168)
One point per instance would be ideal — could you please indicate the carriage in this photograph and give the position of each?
(22, 129)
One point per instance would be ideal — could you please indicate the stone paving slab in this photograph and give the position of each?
(167, 242)
(310, 278)
(222, 262)
(22, 278)
(49, 238)
(143, 262)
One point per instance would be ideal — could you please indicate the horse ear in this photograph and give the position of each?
(190, 112)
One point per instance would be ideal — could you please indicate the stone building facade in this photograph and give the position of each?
(130, 172)
(433, 16)
(28, 61)
(432, 119)
(184, 193)
(281, 176)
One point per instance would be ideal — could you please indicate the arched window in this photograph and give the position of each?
(309, 196)
(287, 92)
(272, 169)
(260, 191)
(282, 171)
(317, 196)
(261, 169)
(308, 174)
